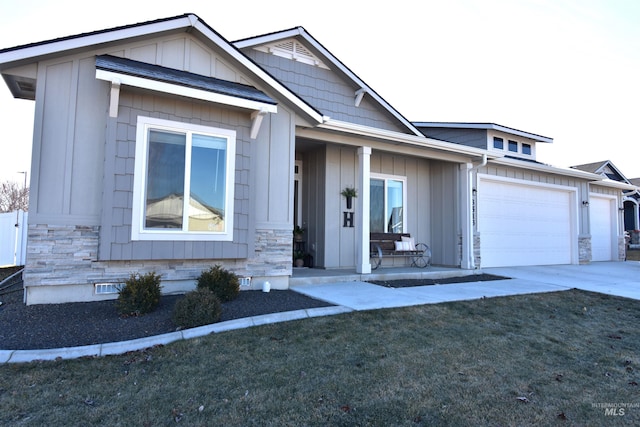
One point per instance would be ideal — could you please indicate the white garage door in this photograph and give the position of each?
(602, 225)
(525, 224)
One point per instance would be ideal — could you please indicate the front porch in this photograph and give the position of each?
(309, 276)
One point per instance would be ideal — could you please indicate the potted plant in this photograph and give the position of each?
(298, 257)
(349, 193)
(298, 233)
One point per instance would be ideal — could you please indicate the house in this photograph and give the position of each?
(163, 147)
(631, 196)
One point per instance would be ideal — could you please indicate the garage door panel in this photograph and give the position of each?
(521, 224)
(601, 221)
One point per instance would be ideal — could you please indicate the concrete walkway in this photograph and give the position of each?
(613, 278)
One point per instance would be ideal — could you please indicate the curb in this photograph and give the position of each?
(115, 348)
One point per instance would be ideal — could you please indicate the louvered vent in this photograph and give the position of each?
(294, 50)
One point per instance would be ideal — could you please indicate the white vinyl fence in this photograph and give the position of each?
(13, 238)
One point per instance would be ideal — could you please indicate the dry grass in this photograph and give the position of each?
(633, 255)
(527, 360)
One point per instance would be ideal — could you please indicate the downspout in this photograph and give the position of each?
(470, 195)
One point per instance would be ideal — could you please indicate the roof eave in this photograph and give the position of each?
(398, 137)
(548, 168)
(486, 126)
(12, 56)
(32, 51)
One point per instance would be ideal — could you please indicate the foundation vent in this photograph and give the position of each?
(245, 282)
(107, 288)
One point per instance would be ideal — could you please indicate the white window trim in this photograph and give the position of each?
(505, 147)
(139, 182)
(385, 178)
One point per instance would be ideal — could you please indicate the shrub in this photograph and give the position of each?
(140, 294)
(224, 284)
(197, 308)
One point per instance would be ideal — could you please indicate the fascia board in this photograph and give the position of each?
(616, 184)
(612, 166)
(66, 44)
(164, 87)
(267, 38)
(486, 126)
(546, 168)
(366, 131)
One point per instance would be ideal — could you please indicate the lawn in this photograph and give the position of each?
(547, 359)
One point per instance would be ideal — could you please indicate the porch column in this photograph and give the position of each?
(363, 265)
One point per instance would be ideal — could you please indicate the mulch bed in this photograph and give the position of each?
(74, 324)
(425, 282)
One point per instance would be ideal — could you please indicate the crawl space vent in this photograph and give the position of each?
(107, 288)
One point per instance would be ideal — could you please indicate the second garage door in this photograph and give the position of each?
(603, 226)
(522, 223)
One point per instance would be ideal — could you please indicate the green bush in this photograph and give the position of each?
(197, 308)
(140, 294)
(224, 284)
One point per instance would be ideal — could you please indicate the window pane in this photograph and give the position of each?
(513, 146)
(394, 206)
(376, 211)
(208, 183)
(526, 149)
(165, 180)
(498, 143)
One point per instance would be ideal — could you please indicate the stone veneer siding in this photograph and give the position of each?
(584, 249)
(477, 258)
(68, 256)
(622, 248)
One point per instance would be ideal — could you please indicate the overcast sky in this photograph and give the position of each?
(565, 69)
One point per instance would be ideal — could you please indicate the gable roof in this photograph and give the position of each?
(484, 126)
(326, 58)
(604, 168)
(27, 54)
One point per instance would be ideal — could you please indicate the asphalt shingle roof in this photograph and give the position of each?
(182, 78)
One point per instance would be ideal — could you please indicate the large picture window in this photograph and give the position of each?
(388, 202)
(183, 182)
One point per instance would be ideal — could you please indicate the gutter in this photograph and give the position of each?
(392, 136)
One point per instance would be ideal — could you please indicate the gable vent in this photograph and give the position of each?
(294, 50)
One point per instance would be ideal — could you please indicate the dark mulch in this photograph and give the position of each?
(424, 282)
(74, 324)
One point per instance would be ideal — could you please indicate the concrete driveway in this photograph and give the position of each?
(614, 278)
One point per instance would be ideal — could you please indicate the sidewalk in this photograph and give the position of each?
(613, 278)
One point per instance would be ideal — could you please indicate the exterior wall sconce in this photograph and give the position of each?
(585, 203)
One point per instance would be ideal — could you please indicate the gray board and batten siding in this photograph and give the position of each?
(83, 163)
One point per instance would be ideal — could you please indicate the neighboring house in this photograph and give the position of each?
(163, 147)
(631, 196)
